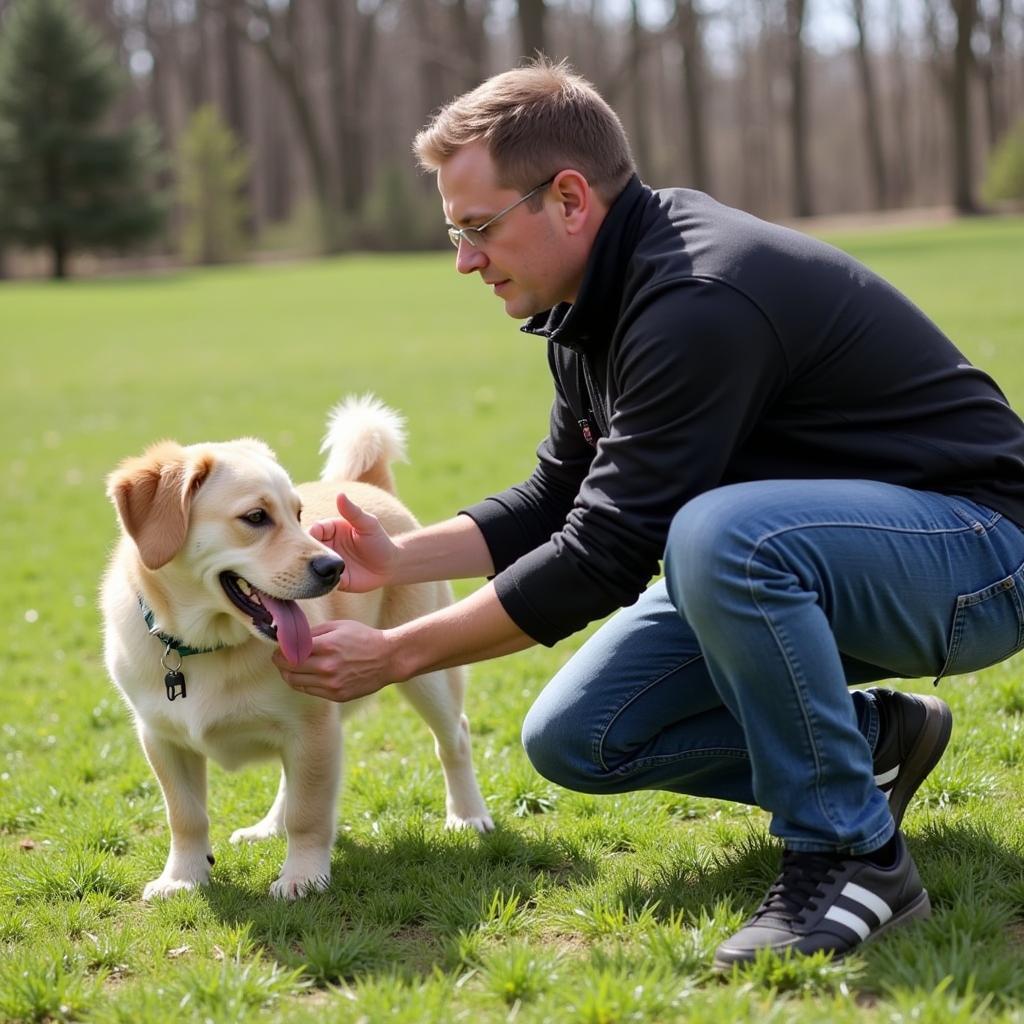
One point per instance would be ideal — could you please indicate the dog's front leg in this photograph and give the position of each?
(312, 770)
(182, 777)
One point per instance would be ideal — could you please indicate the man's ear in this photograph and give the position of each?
(577, 199)
(153, 494)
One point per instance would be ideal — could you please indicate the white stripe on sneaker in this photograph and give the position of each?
(886, 777)
(874, 903)
(864, 898)
(852, 921)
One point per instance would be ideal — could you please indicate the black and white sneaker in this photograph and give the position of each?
(912, 737)
(829, 902)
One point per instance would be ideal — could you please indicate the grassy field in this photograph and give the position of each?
(576, 908)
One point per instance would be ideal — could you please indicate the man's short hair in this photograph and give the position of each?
(535, 120)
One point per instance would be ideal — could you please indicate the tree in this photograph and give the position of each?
(954, 74)
(280, 32)
(533, 27)
(69, 182)
(872, 113)
(212, 176)
(688, 20)
(796, 12)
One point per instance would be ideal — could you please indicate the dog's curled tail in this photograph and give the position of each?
(363, 438)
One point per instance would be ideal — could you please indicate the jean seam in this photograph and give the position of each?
(657, 760)
(841, 524)
(597, 751)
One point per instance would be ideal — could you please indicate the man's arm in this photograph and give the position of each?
(451, 550)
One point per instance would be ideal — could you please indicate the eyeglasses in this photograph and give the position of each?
(475, 235)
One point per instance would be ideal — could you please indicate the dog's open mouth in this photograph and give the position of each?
(282, 621)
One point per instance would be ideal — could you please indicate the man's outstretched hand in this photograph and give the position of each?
(369, 553)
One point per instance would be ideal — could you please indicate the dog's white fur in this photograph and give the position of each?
(182, 510)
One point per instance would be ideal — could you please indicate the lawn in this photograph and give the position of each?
(577, 908)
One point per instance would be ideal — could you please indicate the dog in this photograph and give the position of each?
(207, 577)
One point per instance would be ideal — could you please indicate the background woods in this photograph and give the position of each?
(785, 107)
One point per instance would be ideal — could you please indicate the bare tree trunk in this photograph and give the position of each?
(872, 115)
(235, 96)
(767, 52)
(282, 45)
(350, 31)
(473, 44)
(749, 157)
(692, 44)
(992, 70)
(235, 107)
(640, 99)
(802, 202)
(336, 23)
(532, 27)
(431, 69)
(201, 90)
(955, 80)
(902, 176)
(963, 192)
(160, 84)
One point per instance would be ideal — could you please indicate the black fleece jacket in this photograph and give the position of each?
(707, 347)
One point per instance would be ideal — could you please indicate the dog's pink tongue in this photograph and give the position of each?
(293, 635)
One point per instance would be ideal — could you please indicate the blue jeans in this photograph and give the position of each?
(729, 678)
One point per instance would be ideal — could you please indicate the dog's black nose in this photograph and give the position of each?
(327, 568)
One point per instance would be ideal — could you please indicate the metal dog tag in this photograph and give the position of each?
(172, 681)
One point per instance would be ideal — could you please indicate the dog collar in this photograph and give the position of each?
(174, 681)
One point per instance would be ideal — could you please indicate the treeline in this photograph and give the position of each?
(784, 107)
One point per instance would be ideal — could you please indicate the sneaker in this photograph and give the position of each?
(913, 736)
(824, 901)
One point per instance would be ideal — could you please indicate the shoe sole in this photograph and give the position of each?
(920, 909)
(923, 756)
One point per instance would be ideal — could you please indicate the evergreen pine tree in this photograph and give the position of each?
(67, 180)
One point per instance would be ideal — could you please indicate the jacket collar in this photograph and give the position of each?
(576, 325)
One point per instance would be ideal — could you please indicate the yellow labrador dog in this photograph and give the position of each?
(208, 576)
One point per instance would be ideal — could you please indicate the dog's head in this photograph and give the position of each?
(227, 517)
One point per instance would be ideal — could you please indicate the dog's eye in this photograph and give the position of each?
(256, 517)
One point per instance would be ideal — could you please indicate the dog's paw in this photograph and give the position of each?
(482, 822)
(163, 887)
(255, 833)
(294, 887)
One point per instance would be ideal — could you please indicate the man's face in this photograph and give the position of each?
(527, 256)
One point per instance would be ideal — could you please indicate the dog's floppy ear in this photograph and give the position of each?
(153, 494)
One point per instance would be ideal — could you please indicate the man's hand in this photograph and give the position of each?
(349, 660)
(369, 553)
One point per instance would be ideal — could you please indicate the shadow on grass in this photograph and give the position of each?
(410, 903)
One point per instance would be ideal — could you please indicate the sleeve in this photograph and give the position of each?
(526, 515)
(692, 372)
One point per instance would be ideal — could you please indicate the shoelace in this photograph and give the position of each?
(799, 884)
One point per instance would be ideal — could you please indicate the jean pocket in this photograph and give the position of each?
(988, 626)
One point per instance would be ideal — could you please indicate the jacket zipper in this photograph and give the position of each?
(596, 405)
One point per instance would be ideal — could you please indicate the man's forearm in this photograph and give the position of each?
(474, 629)
(452, 550)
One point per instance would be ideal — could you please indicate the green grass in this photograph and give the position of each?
(578, 909)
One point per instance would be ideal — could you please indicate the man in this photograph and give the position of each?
(836, 492)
